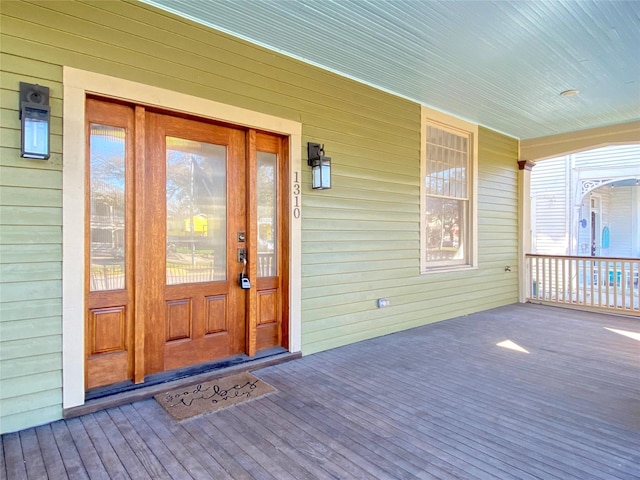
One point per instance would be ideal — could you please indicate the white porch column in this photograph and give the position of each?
(524, 227)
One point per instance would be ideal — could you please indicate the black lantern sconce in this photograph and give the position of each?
(320, 166)
(34, 116)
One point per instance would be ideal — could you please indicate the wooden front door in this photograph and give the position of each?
(179, 209)
(190, 231)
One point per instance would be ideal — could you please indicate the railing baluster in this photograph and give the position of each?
(544, 277)
(569, 264)
(623, 284)
(635, 282)
(538, 275)
(596, 282)
(564, 280)
(587, 280)
(554, 273)
(610, 284)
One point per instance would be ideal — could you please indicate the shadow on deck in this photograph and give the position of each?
(440, 401)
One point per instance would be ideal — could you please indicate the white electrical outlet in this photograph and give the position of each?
(383, 302)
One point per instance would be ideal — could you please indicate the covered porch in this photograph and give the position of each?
(521, 391)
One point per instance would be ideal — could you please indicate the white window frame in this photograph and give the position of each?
(444, 121)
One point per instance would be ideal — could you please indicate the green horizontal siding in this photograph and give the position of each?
(498, 210)
(28, 402)
(30, 327)
(29, 174)
(11, 311)
(34, 415)
(30, 214)
(30, 234)
(28, 347)
(23, 197)
(29, 272)
(21, 386)
(360, 240)
(27, 291)
(30, 254)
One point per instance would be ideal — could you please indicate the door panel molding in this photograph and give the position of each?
(178, 320)
(107, 330)
(215, 314)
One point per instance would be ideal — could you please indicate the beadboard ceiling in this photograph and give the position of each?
(500, 64)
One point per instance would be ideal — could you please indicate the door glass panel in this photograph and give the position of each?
(107, 204)
(196, 189)
(267, 214)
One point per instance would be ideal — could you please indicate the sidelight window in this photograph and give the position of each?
(107, 151)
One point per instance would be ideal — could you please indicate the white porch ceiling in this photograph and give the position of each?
(500, 64)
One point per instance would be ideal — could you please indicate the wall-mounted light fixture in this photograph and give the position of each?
(320, 166)
(34, 116)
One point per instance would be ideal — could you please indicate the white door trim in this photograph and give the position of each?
(77, 84)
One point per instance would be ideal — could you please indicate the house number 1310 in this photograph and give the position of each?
(296, 195)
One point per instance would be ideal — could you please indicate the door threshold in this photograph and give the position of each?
(128, 392)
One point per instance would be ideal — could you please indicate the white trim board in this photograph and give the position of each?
(77, 84)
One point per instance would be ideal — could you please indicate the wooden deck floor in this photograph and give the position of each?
(441, 401)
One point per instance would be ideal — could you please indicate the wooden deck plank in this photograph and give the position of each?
(169, 461)
(3, 465)
(250, 443)
(368, 427)
(469, 386)
(551, 405)
(108, 457)
(481, 439)
(293, 454)
(441, 401)
(31, 451)
(357, 408)
(135, 455)
(567, 451)
(320, 449)
(50, 453)
(15, 461)
(90, 458)
(361, 452)
(410, 418)
(201, 463)
(556, 402)
(320, 454)
(232, 467)
(324, 441)
(152, 465)
(387, 419)
(68, 451)
(229, 445)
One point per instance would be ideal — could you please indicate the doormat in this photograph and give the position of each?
(214, 395)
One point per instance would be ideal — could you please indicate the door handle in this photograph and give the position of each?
(243, 280)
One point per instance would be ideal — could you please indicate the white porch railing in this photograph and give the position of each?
(592, 283)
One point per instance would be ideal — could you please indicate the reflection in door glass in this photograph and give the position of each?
(267, 214)
(107, 200)
(196, 211)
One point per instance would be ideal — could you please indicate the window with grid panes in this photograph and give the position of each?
(447, 223)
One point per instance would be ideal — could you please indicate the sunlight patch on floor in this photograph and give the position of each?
(511, 346)
(626, 333)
